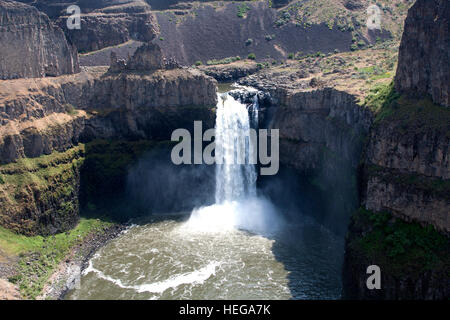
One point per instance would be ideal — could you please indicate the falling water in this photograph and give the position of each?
(212, 256)
(237, 205)
(235, 175)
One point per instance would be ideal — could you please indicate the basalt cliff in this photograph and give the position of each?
(367, 139)
(32, 46)
(47, 122)
(405, 171)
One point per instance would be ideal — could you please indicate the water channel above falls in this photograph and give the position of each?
(241, 247)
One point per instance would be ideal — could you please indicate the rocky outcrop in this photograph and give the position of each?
(31, 45)
(39, 117)
(406, 167)
(44, 121)
(388, 190)
(231, 72)
(312, 121)
(424, 57)
(404, 222)
(425, 153)
(111, 26)
(148, 57)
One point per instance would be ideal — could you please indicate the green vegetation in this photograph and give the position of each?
(70, 109)
(372, 73)
(39, 171)
(381, 97)
(409, 115)
(400, 247)
(223, 61)
(251, 56)
(198, 63)
(48, 182)
(248, 42)
(39, 256)
(242, 10)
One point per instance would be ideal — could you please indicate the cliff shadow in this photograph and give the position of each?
(125, 180)
(310, 243)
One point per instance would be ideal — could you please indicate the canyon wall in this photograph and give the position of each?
(404, 220)
(322, 135)
(31, 45)
(47, 122)
(111, 26)
(201, 32)
(424, 60)
(39, 117)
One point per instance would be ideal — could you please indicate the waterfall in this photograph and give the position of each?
(237, 205)
(235, 175)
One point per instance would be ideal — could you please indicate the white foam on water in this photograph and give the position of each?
(193, 278)
(254, 214)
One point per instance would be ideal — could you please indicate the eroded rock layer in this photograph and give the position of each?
(31, 45)
(46, 121)
(424, 60)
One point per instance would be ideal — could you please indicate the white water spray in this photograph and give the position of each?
(237, 205)
(235, 176)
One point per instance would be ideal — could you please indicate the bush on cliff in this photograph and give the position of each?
(400, 247)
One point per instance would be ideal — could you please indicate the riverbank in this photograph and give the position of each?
(47, 267)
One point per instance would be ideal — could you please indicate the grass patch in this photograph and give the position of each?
(39, 256)
(400, 247)
(419, 116)
(223, 61)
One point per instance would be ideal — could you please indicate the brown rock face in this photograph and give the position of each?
(31, 45)
(111, 26)
(148, 57)
(424, 57)
(41, 116)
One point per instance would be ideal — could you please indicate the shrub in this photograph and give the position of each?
(248, 42)
(198, 63)
(251, 56)
(242, 10)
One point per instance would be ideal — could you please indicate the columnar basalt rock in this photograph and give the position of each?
(111, 26)
(424, 58)
(52, 116)
(31, 45)
(147, 58)
(404, 222)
